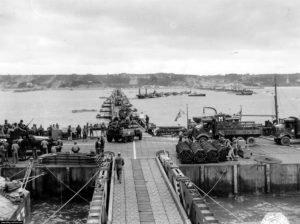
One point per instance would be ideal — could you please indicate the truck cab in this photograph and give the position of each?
(287, 129)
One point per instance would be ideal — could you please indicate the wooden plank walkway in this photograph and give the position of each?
(143, 196)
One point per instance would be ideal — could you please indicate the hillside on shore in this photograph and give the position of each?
(137, 80)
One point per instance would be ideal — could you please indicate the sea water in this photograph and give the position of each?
(75, 212)
(252, 209)
(55, 106)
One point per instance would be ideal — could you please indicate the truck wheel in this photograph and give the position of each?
(109, 138)
(240, 138)
(125, 139)
(117, 138)
(285, 141)
(250, 141)
(131, 138)
(203, 138)
(141, 136)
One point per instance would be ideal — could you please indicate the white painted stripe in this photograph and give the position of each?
(162, 142)
(134, 151)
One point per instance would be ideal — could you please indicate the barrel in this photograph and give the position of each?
(212, 155)
(184, 153)
(199, 153)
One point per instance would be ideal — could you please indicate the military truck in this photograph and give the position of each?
(137, 131)
(287, 129)
(125, 134)
(122, 134)
(228, 126)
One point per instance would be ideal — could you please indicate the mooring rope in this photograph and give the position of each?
(206, 194)
(32, 177)
(18, 173)
(66, 185)
(27, 174)
(70, 198)
(242, 221)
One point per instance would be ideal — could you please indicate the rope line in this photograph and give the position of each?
(70, 199)
(219, 204)
(206, 194)
(66, 185)
(33, 178)
(27, 174)
(18, 173)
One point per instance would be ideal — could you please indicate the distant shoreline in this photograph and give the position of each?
(22, 90)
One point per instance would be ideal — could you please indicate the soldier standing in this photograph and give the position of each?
(102, 143)
(78, 131)
(2, 154)
(59, 145)
(44, 145)
(15, 149)
(84, 134)
(97, 146)
(40, 130)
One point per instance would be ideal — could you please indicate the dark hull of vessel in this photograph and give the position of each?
(141, 96)
(199, 94)
(244, 94)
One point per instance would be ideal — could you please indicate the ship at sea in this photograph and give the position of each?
(244, 92)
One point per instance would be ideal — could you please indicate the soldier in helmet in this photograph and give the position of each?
(21, 124)
(119, 161)
(6, 126)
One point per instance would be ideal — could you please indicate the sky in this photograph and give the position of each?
(149, 36)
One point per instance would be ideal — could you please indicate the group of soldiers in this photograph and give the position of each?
(20, 146)
(17, 138)
(7, 128)
(85, 131)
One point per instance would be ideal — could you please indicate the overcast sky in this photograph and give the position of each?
(147, 36)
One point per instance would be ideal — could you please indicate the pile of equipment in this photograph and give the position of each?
(202, 152)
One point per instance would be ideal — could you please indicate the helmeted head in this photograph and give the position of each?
(119, 153)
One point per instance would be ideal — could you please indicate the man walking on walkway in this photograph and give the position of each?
(119, 163)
